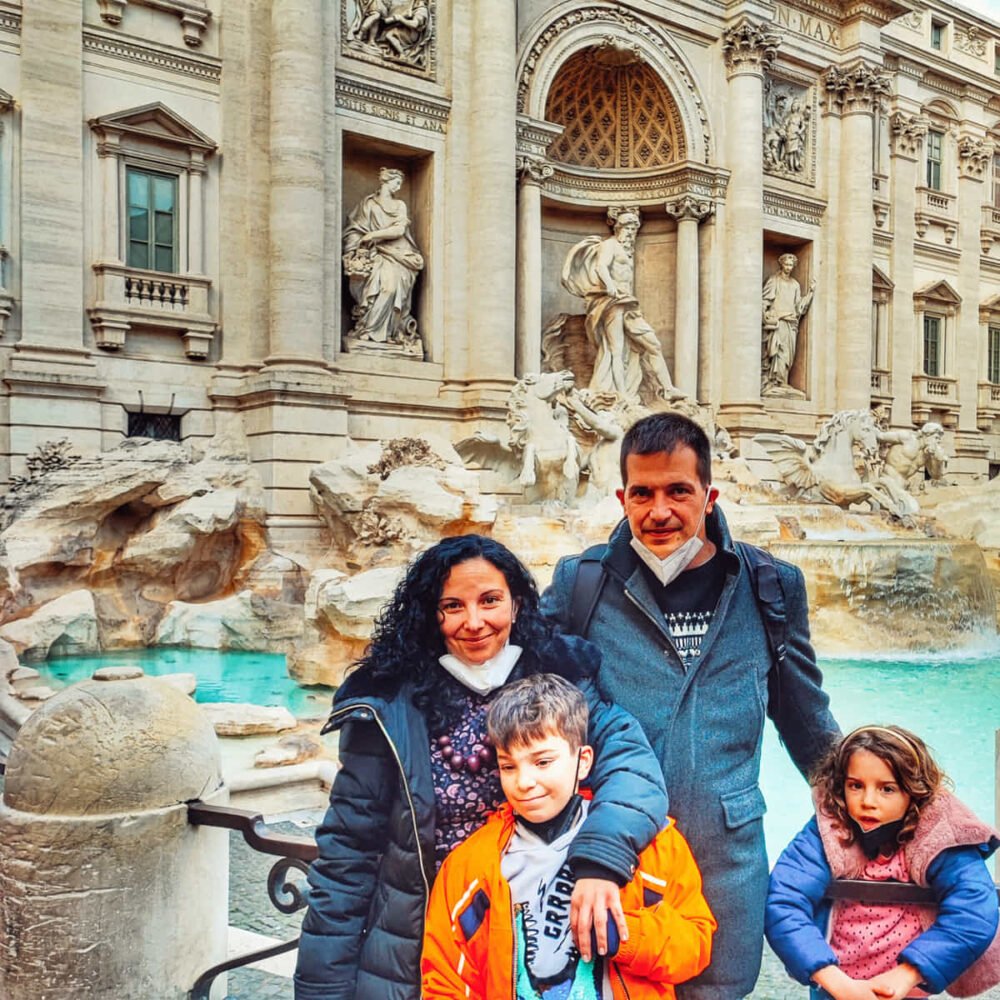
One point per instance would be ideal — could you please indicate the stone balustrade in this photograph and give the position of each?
(881, 383)
(935, 397)
(989, 229)
(987, 405)
(128, 296)
(937, 208)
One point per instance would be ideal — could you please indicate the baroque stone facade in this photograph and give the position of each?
(177, 179)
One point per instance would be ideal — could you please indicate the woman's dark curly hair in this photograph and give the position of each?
(906, 755)
(406, 640)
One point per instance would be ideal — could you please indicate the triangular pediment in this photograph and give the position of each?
(939, 291)
(155, 122)
(989, 310)
(880, 280)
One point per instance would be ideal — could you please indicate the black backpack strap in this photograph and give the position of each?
(587, 587)
(771, 601)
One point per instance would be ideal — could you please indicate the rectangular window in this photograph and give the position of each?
(996, 181)
(152, 220)
(935, 141)
(996, 59)
(932, 346)
(937, 35)
(993, 356)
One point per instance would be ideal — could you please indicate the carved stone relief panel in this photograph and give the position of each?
(789, 129)
(396, 33)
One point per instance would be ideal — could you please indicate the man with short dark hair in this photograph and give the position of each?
(686, 649)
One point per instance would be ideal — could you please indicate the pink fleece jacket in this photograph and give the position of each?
(944, 822)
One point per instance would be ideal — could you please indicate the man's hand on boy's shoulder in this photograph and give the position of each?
(594, 900)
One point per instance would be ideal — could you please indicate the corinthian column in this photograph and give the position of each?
(533, 174)
(748, 48)
(853, 94)
(492, 227)
(297, 191)
(688, 211)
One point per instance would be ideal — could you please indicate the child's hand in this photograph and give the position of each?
(593, 899)
(896, 983)
(840, 986)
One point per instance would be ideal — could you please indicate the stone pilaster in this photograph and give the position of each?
(533, 173)
(854, 94)
(907, 133)
(749, 48)
(297, 183)
(52, 380)
(974, 157)
(689, 212)
(52, 232)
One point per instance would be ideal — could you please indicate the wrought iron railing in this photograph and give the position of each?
(294, 854)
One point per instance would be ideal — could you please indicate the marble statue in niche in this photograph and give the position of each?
(787, 116)
(382, 263)
(396, 31)
(628, 356)
(784, 305)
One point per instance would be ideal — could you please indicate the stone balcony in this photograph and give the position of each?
(128, 296)
(881, 387)
(987, 405)
(989, 229)
(935, 398)
(936, 208)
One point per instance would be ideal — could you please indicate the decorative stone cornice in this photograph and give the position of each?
(535, 136)
(585, 187)
(879, 12)
(749, 47)
(974, 155)
(782, 205)
(194, 15)
(391, 103)
(10, 20)
(855, 89)
(689, 207)
(173, 61)
(533, 170)
(907, 133)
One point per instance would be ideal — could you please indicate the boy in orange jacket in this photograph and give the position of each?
(498, 921)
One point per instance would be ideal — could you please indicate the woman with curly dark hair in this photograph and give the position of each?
(418, 774)
(883, 814)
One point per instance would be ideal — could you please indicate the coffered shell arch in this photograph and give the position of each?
(570, 29)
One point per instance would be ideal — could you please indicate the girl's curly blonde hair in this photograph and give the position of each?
(906, 755)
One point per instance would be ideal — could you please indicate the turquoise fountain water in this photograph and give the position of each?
(258, 678)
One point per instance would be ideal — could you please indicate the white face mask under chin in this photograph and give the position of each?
(667, 570)
(483, 677)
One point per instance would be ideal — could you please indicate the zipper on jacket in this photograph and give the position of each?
(406, 787)
(618, 973)
(658, 624)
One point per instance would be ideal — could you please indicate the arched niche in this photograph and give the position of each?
(569, 29)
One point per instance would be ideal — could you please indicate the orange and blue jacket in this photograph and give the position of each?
(468, 949)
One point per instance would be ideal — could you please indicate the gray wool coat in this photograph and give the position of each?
(705, 725)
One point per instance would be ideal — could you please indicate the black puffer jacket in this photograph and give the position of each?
(362, 934)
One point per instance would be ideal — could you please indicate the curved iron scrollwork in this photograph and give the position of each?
(284, 893)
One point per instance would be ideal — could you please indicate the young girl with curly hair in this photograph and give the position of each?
(883, 814)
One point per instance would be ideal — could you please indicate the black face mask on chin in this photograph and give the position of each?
(881, 840)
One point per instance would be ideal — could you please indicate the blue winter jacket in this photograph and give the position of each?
(362, 934)
(706, 723)
(797, 915)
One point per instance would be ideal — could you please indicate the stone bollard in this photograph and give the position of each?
(106, 890)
